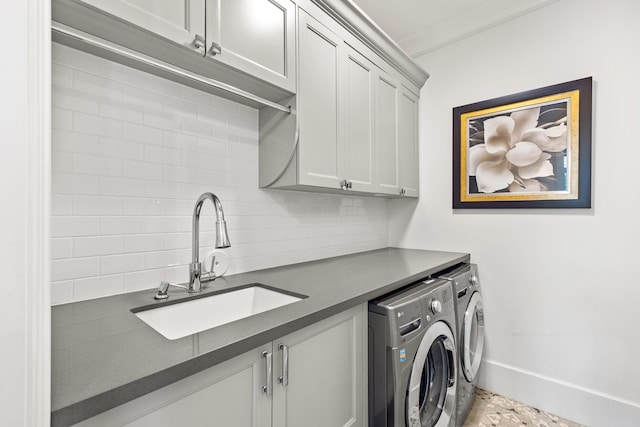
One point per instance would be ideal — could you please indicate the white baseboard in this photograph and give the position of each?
(587, 407)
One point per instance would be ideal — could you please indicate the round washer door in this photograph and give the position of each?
(431, 394)
(472, 337)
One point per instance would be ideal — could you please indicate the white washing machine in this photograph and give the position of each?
(470, 321)
(413, 357)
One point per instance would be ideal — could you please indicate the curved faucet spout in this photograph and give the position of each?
(222, 241)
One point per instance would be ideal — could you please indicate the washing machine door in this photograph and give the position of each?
(431, 394)
(472, 337)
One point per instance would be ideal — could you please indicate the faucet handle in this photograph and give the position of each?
(163, 290)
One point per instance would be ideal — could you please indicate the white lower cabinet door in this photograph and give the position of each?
(325, 385)
(317, 379)
(228, 394)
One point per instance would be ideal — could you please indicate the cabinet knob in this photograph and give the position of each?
(198, 42)
(215, 49)
(402, 192)
(345, 184)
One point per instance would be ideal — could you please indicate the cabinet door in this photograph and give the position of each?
(408, 143)
(358, 96)
(326, 374)
(228, 394)
(254, 36)
(319, 74)
(386, 136)
(178, 20)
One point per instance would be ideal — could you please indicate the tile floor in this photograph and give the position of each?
(492, 410)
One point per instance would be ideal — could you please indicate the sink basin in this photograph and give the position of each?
(181, 319)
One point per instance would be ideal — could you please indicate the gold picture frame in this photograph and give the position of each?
(527, 150)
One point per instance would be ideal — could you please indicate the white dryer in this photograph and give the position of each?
(413, 357)
(470, 333)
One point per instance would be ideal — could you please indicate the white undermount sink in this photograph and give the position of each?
(196, 315)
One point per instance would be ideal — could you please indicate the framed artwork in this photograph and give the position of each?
(527, 150)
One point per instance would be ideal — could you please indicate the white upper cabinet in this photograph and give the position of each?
(318, 95)
(358, 108)
(386, 136)
(255, 36)
(408, 143)
(181, 21)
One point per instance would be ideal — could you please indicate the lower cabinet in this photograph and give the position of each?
(313, 377)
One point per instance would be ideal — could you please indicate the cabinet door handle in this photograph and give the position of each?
(284, 379)
(198, 42)
(215, 49)
(268, 388)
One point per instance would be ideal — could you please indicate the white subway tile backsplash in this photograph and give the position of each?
(177, 106)
(167, 156)
(61, 204)
(121, 263)
(121, 149)
(61, 119)
(203, 129)
(144, 242)
(74, 268)
(63, 140)
(67, 183)
(119, 110)
(213, 177)
(96, 85)
(130, 155)
(71, 99)
(96, 165)
(96, 125)
(177, 240)
(96, 287)
(162, 224)
(163, 259)
(113, 186)
(121, 225)
(140, 133)
(180, 141)
(61, 162)
(61, 76)
(61, 248)
(170, 190)
(214, 147)
(61, 292)
(142, 170)
(145, 207)
(159, 119)
(99, 245)
(140, 280)
(72, 226)
(180, 174)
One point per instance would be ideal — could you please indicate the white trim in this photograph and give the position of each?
(38, 184)
(580, 404)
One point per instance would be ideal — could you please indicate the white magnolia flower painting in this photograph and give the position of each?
(519, 152)
(527, 150)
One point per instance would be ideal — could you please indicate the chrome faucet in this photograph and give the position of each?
(196, 277)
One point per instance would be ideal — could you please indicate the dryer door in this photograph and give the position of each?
(432, 393)
(472, 337)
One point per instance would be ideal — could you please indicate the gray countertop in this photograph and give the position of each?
(104, 356)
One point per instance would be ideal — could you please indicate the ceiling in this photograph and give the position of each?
(420, 26)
